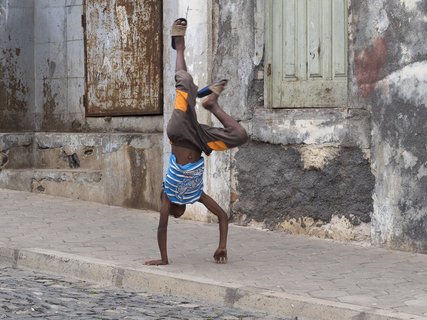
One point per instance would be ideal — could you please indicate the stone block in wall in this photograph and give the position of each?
(343, 127)
(16, 150)
(50, 61)
(75, 101)
(16, 179)
(74, 11)
(75, 59)
(55, 14)
(133, 169)
(75, 184)
(67, 151)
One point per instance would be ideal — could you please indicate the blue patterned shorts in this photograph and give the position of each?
(183, 184)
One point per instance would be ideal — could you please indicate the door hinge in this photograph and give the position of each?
(269, 69)
(83, 21)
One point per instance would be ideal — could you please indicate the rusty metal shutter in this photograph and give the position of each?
(123, 57)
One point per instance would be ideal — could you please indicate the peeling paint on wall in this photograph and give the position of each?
(16, 66)
(317, 157)
(412, 83)
(368, 64)
(49, 105)
(337, 127)
(339, 228)
(13, 92)
(410, 4)
(4, 12)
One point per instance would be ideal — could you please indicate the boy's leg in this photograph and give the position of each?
(220, 254)
(211, 103)
(180, 48)
(236, 134)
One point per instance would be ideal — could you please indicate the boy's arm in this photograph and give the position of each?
(220, 255)
(162, 234)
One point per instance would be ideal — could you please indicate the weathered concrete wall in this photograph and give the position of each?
(389, 74)
(115, 169)
(16, 65)
(301, 167)
(16, 150)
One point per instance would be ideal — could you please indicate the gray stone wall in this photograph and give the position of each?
(389, 75)
(304, 170)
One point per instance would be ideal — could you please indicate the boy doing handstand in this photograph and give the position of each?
(183, 183)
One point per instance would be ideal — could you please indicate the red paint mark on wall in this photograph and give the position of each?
(368, 64)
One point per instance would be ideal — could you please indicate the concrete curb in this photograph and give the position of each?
(202, 289)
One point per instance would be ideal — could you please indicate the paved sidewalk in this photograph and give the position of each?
(289, 275)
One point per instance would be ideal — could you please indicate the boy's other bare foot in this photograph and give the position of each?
(179, 41)
(220, 256)
(210, 101)
(156, 263)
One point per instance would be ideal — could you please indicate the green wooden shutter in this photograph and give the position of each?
(307, 58)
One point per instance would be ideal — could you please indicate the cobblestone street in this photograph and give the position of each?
(29, 295)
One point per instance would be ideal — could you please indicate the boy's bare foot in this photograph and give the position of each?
(212, 100)
(156, 263)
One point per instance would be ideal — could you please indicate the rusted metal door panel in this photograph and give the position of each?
(123, 53)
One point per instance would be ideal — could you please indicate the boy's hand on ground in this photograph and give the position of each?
(220, 255)
(156, 263)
